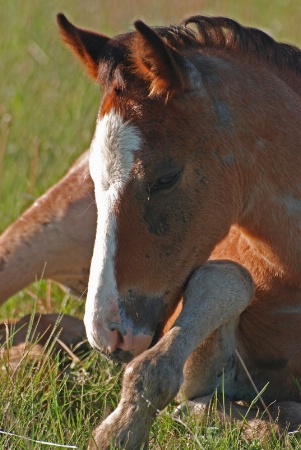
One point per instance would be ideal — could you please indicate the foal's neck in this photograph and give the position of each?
(271, 220)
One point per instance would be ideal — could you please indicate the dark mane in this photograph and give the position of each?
(223, 33)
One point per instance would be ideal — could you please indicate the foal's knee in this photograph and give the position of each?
(224, 276)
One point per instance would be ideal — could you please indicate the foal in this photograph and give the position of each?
(196, 168)
(190, 161)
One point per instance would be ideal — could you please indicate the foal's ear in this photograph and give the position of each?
(86, 45)
(159, 63)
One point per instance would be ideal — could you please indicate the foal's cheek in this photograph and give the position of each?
(158, 221)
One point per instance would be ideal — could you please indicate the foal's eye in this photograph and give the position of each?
(166, 181)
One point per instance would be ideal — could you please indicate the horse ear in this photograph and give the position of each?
(159, 63)
(86, 45)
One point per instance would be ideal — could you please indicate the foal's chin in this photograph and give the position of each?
(121, 356)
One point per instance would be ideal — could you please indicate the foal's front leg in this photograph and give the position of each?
(216, 294)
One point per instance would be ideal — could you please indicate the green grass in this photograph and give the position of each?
(48, 108)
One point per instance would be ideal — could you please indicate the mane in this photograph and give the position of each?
(221, 33)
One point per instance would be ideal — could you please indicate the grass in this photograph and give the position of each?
(47, 114)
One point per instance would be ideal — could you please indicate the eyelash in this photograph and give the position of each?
(165, 182)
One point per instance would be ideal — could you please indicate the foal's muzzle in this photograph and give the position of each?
(124, 328)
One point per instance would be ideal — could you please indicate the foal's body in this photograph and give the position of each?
(239, 191)
(274, 313)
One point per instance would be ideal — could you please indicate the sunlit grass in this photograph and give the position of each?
(59, 404)
(46, 402)
(48, 108)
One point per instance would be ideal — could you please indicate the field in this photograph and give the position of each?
(48, 108)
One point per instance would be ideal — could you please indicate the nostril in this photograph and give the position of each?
(118, 327)
(120, 330)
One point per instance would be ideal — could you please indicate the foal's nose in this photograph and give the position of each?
(117, 337)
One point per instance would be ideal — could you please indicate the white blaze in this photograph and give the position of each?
(111, 159)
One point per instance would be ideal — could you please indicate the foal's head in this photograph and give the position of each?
(162, 180)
